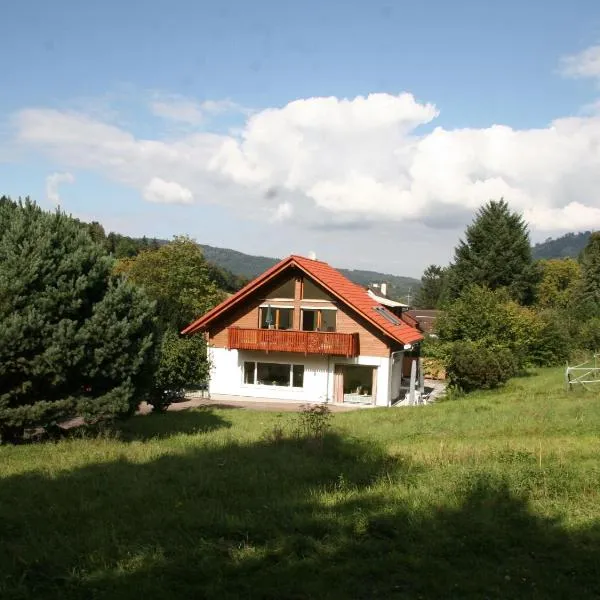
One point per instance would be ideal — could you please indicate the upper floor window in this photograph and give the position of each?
(273, 317)
(310, 291)
(285, 291)
(314, 319)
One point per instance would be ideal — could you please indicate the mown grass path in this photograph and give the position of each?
(496, 495)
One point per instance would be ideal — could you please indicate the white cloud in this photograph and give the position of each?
(584, 64)
(283, 212)
(188, 111)
(167, 192)
(337, 161)
(53, 182)
(185, 111)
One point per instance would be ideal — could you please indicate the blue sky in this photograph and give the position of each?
(183, 117)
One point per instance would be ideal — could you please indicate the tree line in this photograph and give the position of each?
(501, 310)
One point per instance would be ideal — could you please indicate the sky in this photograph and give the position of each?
(367, 132)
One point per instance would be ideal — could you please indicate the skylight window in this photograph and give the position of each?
(387, 315)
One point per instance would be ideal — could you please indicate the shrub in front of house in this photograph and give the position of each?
(472, 366)
(181, 365)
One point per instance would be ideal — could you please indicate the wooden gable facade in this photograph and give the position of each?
(241, 328)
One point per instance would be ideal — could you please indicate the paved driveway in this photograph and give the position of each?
(223, 401)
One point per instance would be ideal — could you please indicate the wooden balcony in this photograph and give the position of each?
(304, 342)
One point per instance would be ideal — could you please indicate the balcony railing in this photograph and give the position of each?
(305, 342)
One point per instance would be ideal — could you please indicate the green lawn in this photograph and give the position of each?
(496, 495)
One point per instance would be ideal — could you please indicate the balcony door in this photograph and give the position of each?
(314, 319)
(274, 317)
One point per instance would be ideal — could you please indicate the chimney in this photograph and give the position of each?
(383, 288)
(312, 255)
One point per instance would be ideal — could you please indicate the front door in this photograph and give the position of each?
(338, 384)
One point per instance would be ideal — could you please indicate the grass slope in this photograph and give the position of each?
(496, 495)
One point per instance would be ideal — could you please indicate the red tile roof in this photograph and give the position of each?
(351, 294)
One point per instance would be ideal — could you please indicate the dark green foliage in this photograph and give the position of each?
(433, 287)
(182, 364)
(589, 335)
(122, 246)
(491, 320)
(588, 295)
(551, 341)
(559, 282)
(74, 341)
(495, 253)
(473, 366)
(178, 278)
(569, 245)
(225, 280)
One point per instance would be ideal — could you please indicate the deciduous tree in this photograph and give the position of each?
(559, 282)
(178, 278)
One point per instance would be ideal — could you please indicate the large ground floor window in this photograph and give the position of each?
(278, 374)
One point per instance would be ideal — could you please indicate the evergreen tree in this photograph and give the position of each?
(495, 253)
(589, 292)
(74, 340)
(433, 287)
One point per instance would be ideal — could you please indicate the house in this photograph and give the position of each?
(424, 319)
(303, 332)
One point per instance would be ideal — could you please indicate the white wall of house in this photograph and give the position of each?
(396, 375)
(227, 375)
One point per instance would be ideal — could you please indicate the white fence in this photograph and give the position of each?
(585, 374)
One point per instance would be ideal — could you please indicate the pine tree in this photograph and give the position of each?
(433, 287)
(589, 292)
(495, 253)
(74, 339)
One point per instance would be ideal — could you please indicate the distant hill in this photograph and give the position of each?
(240, 264)
(570, 244)
(249, 266)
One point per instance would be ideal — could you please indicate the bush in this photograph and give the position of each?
(472, 366)
(589, 335)
(314, 421)
(182, 364)
(160, 398)
(489, 319)
(551, 342)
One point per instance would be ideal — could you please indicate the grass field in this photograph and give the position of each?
(496, 495)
